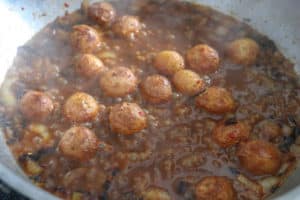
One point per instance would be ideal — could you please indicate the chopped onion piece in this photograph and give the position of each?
(268, 184)
(250, 184)
(40, 129)
(77, 196)
(32, 167)
(284, 167)
(6, 94)
(107, 55)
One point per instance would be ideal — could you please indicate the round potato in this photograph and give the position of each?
(36, 106)
(79, 143)
(216, 100)
(188, 82)
(118, 82)
(81, 107)
(259, 157)
(127, 26)
(85, 39)
(168, 62)
(227, 135)
(155, 193)
(203, 59)
(127, 118)
(156, 89)
(243, 51)
(88, 65)
(215, 188)
(102, 12)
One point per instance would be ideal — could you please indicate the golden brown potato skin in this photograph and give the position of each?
(216, 100)
(155, 193)
(127, 118)
(188, 82)
(229, 135)
(156, 89)
(168, 62)
(215, 188)
(88, 65)
(259, 157)
(81, 107)
(102, 12)
(36, 106)
(118, 82)
(203, 59)
(79, 143)
(127, 26)
(243, 51)
(85, 39)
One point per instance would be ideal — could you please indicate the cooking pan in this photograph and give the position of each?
(21, 19)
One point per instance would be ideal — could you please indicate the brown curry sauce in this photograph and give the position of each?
(176, 150)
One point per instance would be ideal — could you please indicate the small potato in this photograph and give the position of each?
(127, 26)
(102, 12)
(156, 89)
(79, 143)
(259, 157)
(243, 51)
(36, 106)
(81, 107)
(85, 39)
(168, 62)
(215, 188)
(88, 65)
(216, 100)
(188, 82)
(231, 134)
(127, 118)
(203, 59)
(118, 82)
(155, 193)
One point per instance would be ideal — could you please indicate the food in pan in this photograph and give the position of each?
(152, 100)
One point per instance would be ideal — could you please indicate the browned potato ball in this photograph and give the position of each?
(168, 62)
(127, 26)
(215, 188)
(118, 82)
(156, 89)
(188, 82)
(155, 193)
(81, 107)
(259, 157)
(203, 59)
(79, 143)
(102, 12)
(88, 65)
(243, 51)
(36, 106)
(228, 135)
(127, 118)
(85, 39)
(216, 100)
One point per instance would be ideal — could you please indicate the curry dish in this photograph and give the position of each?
(152, 100)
